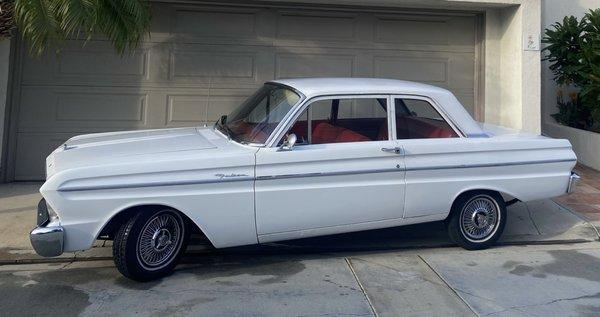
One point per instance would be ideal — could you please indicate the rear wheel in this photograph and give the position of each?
(477, 220)
(149, 245)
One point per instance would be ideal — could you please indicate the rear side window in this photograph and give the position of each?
(418, 119)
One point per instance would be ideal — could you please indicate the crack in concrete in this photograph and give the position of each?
(519, 307)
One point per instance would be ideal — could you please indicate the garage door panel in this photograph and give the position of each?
(314, 65)
(215, 22)
(190, 65)
(96, 64)
(60, 109)
(424, 69)
(186, 110)
(31, 152)
(423, 29)
(202, 61)
(462, 70)
(316, 25)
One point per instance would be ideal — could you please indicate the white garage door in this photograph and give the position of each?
(202, 61)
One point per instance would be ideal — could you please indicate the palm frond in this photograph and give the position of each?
(47, 23)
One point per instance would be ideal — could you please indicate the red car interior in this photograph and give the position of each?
(327, 133)
(358, 130)
(419, 128)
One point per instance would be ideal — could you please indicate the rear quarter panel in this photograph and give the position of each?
(439, 170)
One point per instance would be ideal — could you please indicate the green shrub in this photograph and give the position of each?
(573, 52)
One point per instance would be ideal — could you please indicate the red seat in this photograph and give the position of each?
(326, 133)
(418, 128)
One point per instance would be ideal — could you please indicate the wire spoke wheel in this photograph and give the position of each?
(479, 218)
(160, 240)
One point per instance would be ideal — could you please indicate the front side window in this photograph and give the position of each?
(418, 119)
(342, 120)
(255, 119)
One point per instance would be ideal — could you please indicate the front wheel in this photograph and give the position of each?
(477, 220)
(149, 245)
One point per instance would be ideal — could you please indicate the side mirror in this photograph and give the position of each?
(289, 142)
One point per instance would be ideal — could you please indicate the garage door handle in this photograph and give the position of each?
(395, 150)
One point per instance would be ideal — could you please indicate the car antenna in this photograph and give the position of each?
(207, 102)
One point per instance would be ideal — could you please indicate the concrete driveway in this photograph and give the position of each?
(545, 265)
(541, 280)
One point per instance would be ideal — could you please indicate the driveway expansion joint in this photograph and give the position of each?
(361, 287)
(447, 285)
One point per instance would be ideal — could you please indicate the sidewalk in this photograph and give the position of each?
(536, 222)
(586, 198)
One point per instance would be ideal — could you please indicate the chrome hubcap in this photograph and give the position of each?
(160, 240)
(480, 218)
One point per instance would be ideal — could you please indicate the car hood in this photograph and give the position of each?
(103, 148)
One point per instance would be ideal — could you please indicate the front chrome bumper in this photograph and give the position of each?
(47, 238)
(47, 241)
(573, 180)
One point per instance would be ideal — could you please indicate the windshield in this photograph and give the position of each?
(255, 119)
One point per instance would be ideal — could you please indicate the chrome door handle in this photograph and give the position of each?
(395, 150)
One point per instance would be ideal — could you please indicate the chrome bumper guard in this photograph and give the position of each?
(47, 238)
(573, 180)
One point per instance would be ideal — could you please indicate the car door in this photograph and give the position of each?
(344, 174)
(431, 143)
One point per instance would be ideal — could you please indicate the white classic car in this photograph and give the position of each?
(300, 158)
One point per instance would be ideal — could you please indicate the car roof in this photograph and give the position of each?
(314, 87)
(311, 87)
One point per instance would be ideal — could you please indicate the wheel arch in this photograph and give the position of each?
(506, 195)
(118, 218)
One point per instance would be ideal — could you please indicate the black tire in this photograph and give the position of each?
(471, 224)
(168, 242)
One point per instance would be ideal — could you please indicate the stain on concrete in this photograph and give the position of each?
(340, 285)
(565, 263)
(228, 283)
(275, 269)
(569, 263)
(521, 270)
(471, 263)
(76, 276)
(45, 298)
(183, 308)
(588, 310)
(134, 285)
(510, 264)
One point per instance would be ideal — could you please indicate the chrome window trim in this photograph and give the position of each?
(277, 131)
(298, 111)
(435, 106)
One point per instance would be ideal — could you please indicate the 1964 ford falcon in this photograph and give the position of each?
(300, 158)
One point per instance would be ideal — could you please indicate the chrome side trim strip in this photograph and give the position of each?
(154, 184)
(487, 165)
(302, 175)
